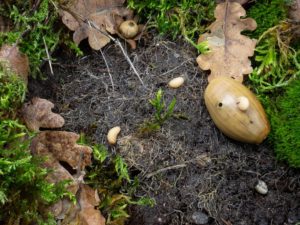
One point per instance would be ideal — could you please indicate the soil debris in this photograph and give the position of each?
(222, 187)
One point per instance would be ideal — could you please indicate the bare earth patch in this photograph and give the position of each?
(194, 173)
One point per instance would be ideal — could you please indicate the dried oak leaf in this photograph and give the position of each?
(58, 148)
(229, 50)
(37, 113)
(61, 145)
(87, 200)
(93, 19)
(238, 1)
(11, 58)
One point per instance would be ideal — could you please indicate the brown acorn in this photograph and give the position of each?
(129, 29)
(236, 111)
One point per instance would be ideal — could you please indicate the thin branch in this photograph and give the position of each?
(108, 70)
(48, 56)
(117, 42)
(165, 169)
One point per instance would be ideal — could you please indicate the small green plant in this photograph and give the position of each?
(12, 93)
(109, 175)
(162, 112)
(184, 17)
(277, 63)
(161, 115)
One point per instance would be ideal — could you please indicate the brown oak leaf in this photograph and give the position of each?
(87, 200)
(242, 2)
(11, 58)
(94, 19)
(229, 50)
(37, 113)
(61, 145)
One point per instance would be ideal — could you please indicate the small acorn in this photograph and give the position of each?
(129, 29)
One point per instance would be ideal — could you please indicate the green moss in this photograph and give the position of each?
(285, 122)
(33, 27)
(109, 175)
(23, 188)
(267, 13)
(12, 93)
(185, 17)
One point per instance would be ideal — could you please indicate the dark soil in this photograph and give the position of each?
(188, 167)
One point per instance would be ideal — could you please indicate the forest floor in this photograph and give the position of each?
(195, 174)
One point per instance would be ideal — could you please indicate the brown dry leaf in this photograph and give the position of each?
(37, 113)
(238, 1)
(11, 58)
(94, 19)
(229, 50)
(61, 145)
(87, 200)
(57, 147)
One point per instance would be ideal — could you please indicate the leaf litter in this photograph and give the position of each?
(96, 20)
(188, 166)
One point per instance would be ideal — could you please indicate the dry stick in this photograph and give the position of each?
(108, 70)
(48, 57)
(121, 47)
(165, 169)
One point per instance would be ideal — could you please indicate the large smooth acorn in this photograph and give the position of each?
(236, 111)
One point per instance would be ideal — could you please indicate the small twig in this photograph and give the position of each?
(48, 57)
(108, 70)
(129, 61)
(92, 24)
(165, 169)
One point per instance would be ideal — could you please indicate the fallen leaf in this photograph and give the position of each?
(95, 19)
(11, 58)
(37, 113)
(87, 200)
(229, 50)
(238, 1)
(62, 146)
(57, 147)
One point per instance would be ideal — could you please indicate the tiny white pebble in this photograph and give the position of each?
(243, 103)
(176, 82)
(113, 134)
(261, 187)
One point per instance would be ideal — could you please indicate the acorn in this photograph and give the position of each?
(129, 29)
(236, 111)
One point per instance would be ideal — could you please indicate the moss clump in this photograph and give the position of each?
(12, 93)
(285, 122)
(23, 188)
(267, 13)
(183, 17)
(33, 28)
